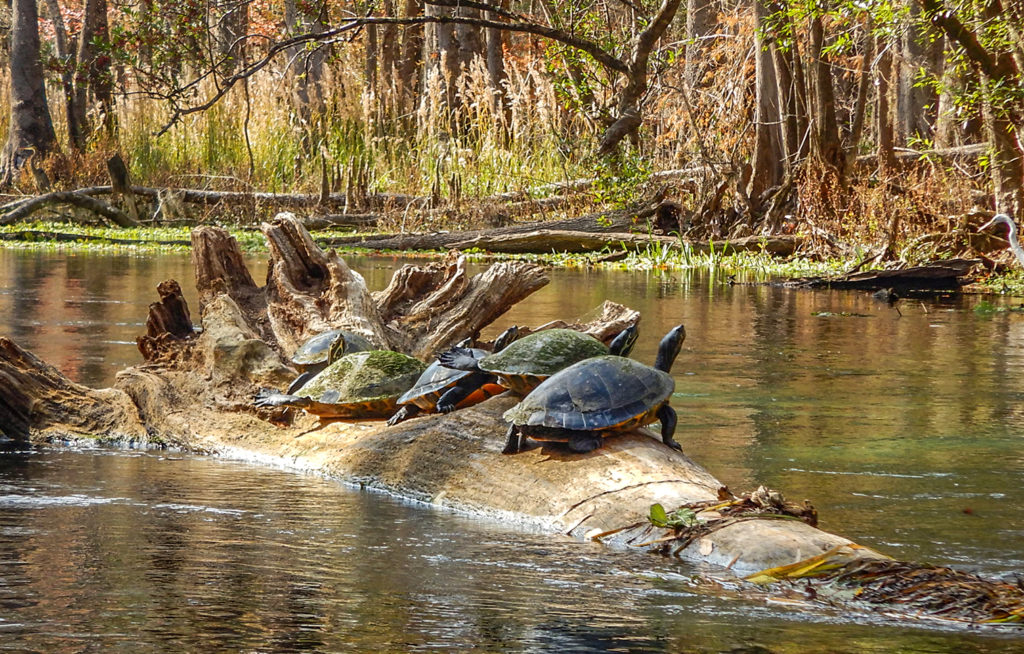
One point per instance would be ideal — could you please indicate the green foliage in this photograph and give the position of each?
(681, 518)
(621, 178)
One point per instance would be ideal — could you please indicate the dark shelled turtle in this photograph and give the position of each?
(599, 397)
(311, 357)
(358, 385)
(444, 389)
(523, 365)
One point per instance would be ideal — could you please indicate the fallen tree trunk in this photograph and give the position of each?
(554, 240)
(26, 208)
(943, 275)
(612, 221)
(196, 388)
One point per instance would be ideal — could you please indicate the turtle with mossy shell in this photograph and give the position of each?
(523, 365)
(311, 357)
(440, 389)
(358, 385)
(599, 397)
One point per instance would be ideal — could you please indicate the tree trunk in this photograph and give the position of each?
(825, 144)
(93, 70)
(917, 104)
(30, 128)
(413, 54)
(883, 113)
(230, 25)
(496, 74)
(863, 90)
(76, 133)
(307, 68)
(701, 21)
(769, 158)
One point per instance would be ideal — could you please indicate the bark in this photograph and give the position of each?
(629, 115)
(863, 90)
(496, 74)
(230, 27)
(917, 105)
(25, 209)
(93, 70)
(307, 66)
(825, 144)
(944, 275)
(30, 128)
(412, 58)
(701, 21)
(883, 113)
(549, 240)
(67, 76)
(768, 159)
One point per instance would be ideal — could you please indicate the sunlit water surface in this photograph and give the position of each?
(904, 432)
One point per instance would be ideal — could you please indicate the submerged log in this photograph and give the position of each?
(942, 275)
(200, 400)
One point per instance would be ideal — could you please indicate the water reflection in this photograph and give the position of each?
(146, 553)
(904, 432)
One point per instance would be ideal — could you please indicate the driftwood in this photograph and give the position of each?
(195, 392)
(943, 275)
(20, 210)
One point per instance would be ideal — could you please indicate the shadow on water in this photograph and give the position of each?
(904, 433)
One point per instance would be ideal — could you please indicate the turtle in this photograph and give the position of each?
(444, 389)
(311, 357)
(599, 397)
(523, 365)
(358, 385)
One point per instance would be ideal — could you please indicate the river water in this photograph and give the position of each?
(903, 431)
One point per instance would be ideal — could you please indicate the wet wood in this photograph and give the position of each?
(35, 397)
(943, 275)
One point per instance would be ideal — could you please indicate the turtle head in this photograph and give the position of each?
(669, 348)
(623, 344)
(505, 338)
(339, 347)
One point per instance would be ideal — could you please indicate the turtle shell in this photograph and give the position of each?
(315, 351)
(362, 384)
(526, 362)
(602, 393)
(434, 381)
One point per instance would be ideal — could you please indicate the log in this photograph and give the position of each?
(943, 275)
(552, 240)
(26, 208)
(201, 401)
(613, 221)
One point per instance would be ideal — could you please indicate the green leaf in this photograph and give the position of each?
(658, 516)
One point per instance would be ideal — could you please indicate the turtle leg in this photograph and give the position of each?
(583, 443)
(300, 381)
(514, 444)
(407, 411)
(451, 398)
(667, 416)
